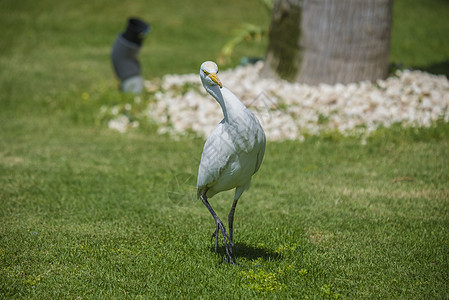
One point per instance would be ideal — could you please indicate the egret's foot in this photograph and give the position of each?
(228, 246)
(219, 227)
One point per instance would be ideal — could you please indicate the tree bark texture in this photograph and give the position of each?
(283, 55)
(329, 41)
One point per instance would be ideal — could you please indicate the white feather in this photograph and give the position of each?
(234, 150)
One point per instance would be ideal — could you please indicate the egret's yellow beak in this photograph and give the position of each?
(215, 79)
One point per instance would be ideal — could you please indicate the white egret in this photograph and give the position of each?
(232, 153)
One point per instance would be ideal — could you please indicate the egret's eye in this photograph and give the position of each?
(206, 73)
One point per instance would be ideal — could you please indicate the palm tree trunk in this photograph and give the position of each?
(329, 41)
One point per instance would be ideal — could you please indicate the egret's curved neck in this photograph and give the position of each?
(214, 90)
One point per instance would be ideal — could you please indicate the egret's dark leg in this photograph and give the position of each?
(219, 227)
(231, 221)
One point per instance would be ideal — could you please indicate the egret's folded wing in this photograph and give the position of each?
(216, 153)
(261, 153)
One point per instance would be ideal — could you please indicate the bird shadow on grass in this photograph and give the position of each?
(242, 250)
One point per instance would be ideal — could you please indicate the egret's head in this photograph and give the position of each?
(208, 74)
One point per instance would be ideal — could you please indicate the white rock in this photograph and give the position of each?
(288, 110)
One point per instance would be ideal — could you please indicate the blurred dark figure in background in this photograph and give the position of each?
(125, 55)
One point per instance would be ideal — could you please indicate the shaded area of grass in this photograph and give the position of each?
(419, 35)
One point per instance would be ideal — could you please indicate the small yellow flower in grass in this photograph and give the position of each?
(257, 262)
(85, 96)
(303, 272)
(329, 293)
(289, 267)
(32, 280)
(283, 249)
(265, 282)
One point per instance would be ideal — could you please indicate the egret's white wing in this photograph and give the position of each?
(230, 159)
(261, 153)
(215, 157)
(234, 150)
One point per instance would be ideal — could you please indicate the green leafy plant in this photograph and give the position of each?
(247, 32)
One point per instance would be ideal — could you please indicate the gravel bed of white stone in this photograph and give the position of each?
(292, 110)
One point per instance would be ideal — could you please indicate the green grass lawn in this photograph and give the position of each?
(86, 212)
